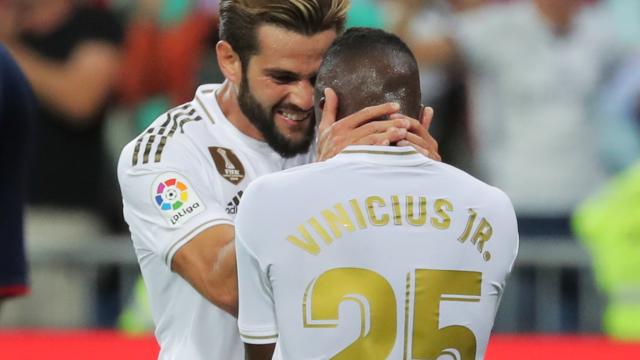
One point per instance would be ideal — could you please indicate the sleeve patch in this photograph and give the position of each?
(175, 199)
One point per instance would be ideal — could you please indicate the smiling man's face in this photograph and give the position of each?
(276, 92)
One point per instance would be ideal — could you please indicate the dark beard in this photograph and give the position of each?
(265, 123)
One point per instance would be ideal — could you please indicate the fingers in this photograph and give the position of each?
(421, 145)
(358, 129)
(427, 117)
(418, 134)
(335, 139)
(389, 136)
(418, 149)
(401, 125)
(367, 114)
(414, 125)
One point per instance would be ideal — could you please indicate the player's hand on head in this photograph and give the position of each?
(358, 129)
(418, 135)
(355, 129)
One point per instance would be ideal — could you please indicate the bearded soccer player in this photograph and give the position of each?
(183, 179)
(379, 252)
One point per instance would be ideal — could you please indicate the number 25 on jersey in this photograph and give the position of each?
(377, 302)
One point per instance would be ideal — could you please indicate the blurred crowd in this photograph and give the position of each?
(538, 97)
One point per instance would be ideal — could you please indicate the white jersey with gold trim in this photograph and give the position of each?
(185, 173)
(378, 253)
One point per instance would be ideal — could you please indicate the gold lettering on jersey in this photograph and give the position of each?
(482, 235)
(422, 211)
(357, 211)
(308, 244)
(227, 164)
(442, 206)
(467, 230)
(315, 224)
(338, 221)
(397, 216)
(373, 219)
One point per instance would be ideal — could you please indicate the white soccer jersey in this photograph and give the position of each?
(185, 173)
(378, 253)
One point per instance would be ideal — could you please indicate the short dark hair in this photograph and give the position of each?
(240, 19)
(366, 67)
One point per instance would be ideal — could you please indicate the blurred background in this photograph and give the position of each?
(538, 97)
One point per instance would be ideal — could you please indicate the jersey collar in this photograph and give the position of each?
(206, 98)
(395, 155)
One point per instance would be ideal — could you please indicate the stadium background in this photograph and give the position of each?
(572, 295)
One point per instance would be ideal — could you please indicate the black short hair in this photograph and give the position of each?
(358, 39)
(366, 67)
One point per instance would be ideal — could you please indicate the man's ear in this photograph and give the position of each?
(318, 107)
(229, 62)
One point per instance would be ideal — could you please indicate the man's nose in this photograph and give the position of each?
(302, 95)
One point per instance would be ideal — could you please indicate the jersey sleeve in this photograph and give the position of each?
(505, 215)
(256, 317)
(167, 204)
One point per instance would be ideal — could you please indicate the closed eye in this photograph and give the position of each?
(281, 76)
(285, 79)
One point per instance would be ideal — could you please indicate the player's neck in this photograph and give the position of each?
(559, 21)
(227, 96)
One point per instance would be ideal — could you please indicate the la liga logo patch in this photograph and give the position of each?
(175, 198)
(171, 194)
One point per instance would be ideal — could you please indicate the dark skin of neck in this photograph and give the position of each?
(559, 14)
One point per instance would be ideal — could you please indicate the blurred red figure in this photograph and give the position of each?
(164, 58)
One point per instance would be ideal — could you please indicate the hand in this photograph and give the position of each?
(419, 138)
(358, 129)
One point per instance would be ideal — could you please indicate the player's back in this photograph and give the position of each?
(379, 253)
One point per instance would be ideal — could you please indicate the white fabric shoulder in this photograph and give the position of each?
(167, 196)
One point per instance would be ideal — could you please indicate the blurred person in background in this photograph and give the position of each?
(367, 13)
(156, 74)
(16, 125)
(618, 115)
(533, 68)
(608, 223)
(626, 19)
(443, 84)
(618, 103)
(70, 54)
